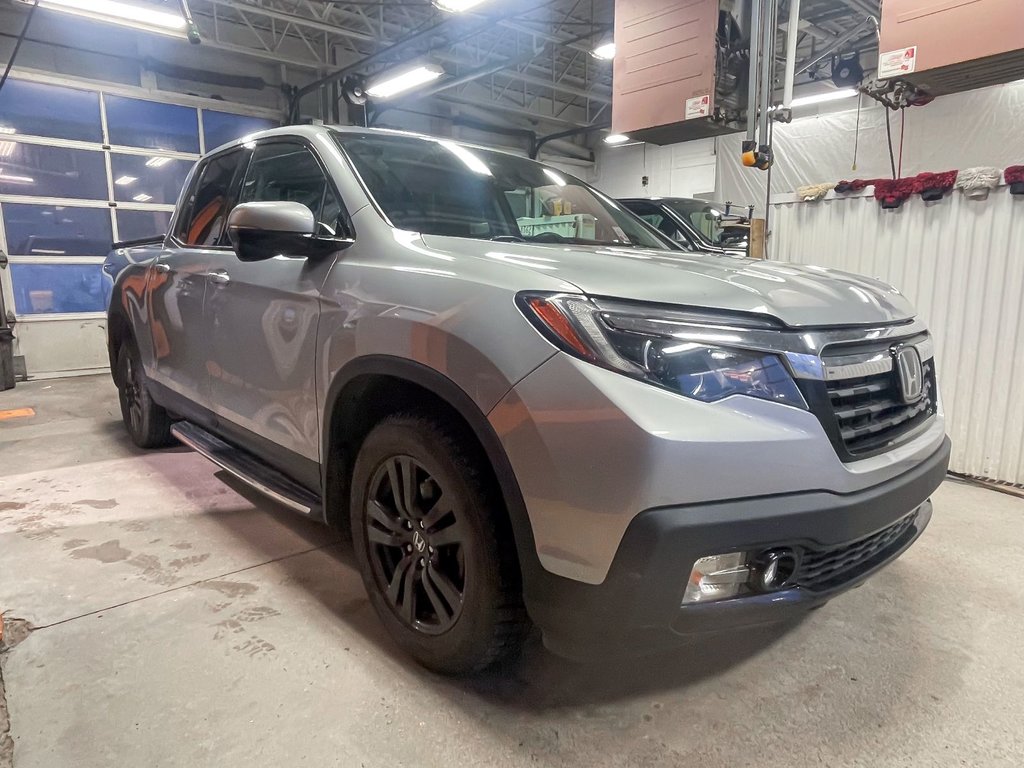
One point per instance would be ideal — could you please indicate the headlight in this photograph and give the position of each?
(699, 356)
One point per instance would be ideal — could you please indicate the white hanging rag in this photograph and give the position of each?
(813, 192)
(977, 182)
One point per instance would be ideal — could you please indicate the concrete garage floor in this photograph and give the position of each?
(180, 621)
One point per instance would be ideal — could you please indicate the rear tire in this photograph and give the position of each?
(147, 423)
(440, 569)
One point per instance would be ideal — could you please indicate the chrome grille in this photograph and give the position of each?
(867, 404)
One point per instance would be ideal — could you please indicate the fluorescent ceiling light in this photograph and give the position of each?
(12, 179)
(7, 148)
(818, 98)
(147, 18)
(157, 162)
(616, 138)
(142, 197)
(393, 83)
(604, 51)
(471, 161)
(6, 129)
(124, 181)
(457, 6)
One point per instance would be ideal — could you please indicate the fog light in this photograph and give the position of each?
(718, 577)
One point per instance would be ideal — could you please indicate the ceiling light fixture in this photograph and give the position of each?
(818, 98)
(142, 197)
(7, 148)
(395, 82)
(457, 6)
(616, 138)
(605, 51)
(157, 162)
(125, 14)
(124, 181)
(12, 179)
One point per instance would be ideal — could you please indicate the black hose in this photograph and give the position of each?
(17, 45)
(888, 136)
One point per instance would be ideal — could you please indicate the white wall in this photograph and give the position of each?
(680, 170)
(961, 263)
(980, 127)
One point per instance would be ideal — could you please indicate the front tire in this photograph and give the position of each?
(439, 567)
(147, 423)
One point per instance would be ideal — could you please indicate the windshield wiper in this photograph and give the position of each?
(508, 239)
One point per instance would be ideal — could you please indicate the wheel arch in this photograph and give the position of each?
(119, 330)
(372, 387)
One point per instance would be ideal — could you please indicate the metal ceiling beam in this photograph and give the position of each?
(259, 10)
(563, 87)
(835, 46)
(547, 36)
(521, 111)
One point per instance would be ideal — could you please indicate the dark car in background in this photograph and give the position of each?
(697, 225)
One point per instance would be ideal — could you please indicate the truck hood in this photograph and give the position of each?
(795, 294)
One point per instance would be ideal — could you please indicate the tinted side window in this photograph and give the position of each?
(207, 208)
(658, 219)
(289, 171)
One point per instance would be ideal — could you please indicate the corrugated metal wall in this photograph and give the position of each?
(962, 263)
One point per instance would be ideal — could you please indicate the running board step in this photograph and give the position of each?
(247, 468)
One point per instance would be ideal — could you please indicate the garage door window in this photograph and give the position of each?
(56, 230)
(49, 288)
(81, 168)
(148, 178)
(222, 127)
(36, 109)
(140, 123)
(135, 225)
(41, 171)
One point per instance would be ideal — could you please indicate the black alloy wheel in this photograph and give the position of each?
(131, 394)
(435, 545)
(148, 424)
(416, 546)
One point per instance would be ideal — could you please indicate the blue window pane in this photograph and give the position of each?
(135, 225)
(44, 288)
(138, 123)
(148, 179)
(42, 171)
(222, 127)
(56, 230)
(49, 110)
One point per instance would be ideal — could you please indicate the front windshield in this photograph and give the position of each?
(438, 187)
(711, 222)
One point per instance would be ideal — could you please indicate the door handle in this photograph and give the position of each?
(162, 268)
(219, 276)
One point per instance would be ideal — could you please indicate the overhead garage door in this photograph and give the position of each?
(80, 169)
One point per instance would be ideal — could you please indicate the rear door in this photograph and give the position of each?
(264, 314)
(180, 331)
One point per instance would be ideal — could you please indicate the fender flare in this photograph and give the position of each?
(457, 398)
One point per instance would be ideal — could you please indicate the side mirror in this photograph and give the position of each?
(263, 230)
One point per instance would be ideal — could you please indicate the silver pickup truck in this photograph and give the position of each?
(525, 404)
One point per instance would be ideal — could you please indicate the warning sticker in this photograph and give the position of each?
(897, 63)
(698, 106)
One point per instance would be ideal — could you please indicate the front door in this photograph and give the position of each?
(264, 316)
(177, 285)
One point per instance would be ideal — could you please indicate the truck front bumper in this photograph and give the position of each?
(638, 607)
